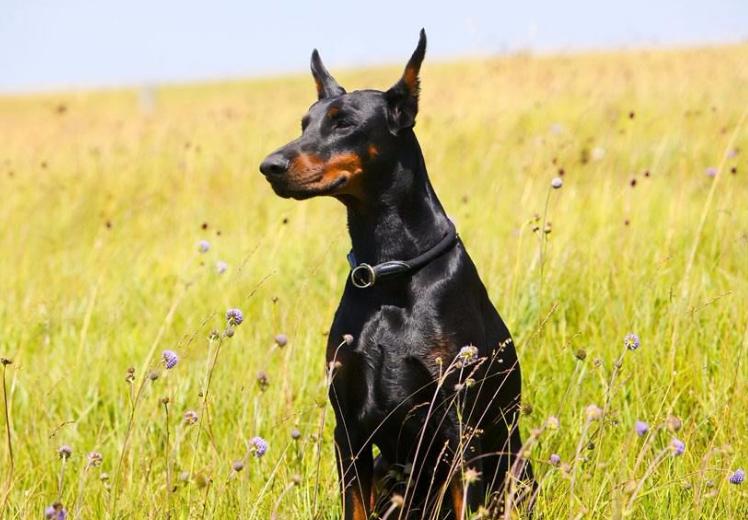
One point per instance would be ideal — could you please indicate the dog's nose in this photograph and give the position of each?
(274, 164)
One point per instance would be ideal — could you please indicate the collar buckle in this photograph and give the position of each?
(363, 276)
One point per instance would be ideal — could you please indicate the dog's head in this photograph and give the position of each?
(346, 138)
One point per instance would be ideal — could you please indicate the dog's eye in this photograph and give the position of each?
(341, 123)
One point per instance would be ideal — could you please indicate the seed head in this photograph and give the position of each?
(237, 465)
(234, 317)
(203, 246)
(281, 340)
(295, 434)
(467, 356)
(94, 458)
(471, 476)
(190, 417)
(593, 412)
(631, 341)
(203, 480)
(738, 477)
(554, 459)
(65, 451)
(581, 354)
(673, 423)
(557, 182)
(641, 428)
(170, 359)
(5, 361)
(678, 447)
(262, 380)
(258, 446)
(552, 423)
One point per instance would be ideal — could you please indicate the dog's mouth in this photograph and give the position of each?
(314, 186)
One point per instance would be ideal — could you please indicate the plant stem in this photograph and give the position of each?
(7, 422)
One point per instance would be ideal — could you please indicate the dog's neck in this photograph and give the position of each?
(406, 219)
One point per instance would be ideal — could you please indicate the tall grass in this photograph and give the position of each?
(104, 206)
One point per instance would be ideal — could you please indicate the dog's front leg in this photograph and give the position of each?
(356, 472)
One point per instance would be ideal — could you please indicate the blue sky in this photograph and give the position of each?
(47, 44)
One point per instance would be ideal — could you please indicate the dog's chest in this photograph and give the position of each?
(383, 369)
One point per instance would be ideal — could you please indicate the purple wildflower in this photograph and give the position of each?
(557, 182)
(555, 459)
(258, 446)
(203, 246)
(281, 340)
(65, 451)
(641, 428)
(678, 447)
(295, 434)
(711, 171)
(738, 477)
(170, 359)
(234, 317)
(221, 266)
(55, 512)
(631, 341)
(190, 417)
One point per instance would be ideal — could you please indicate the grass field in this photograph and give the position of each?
(103, 208)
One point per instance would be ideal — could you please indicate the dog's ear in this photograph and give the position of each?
(402, 98)
(326, 84)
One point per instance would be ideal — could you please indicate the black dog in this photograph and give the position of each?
(424, 367)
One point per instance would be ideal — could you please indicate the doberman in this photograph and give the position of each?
(421, 365)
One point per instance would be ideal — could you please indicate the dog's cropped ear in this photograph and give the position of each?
(402, 98)
(326, 84)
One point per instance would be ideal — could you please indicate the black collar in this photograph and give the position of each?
(365, 275)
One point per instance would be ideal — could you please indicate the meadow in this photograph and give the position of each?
(129, 226)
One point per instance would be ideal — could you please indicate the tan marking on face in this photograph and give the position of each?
(373, 151)
(333, 111)
(349, 166)
(312, 171)
(305, 166)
